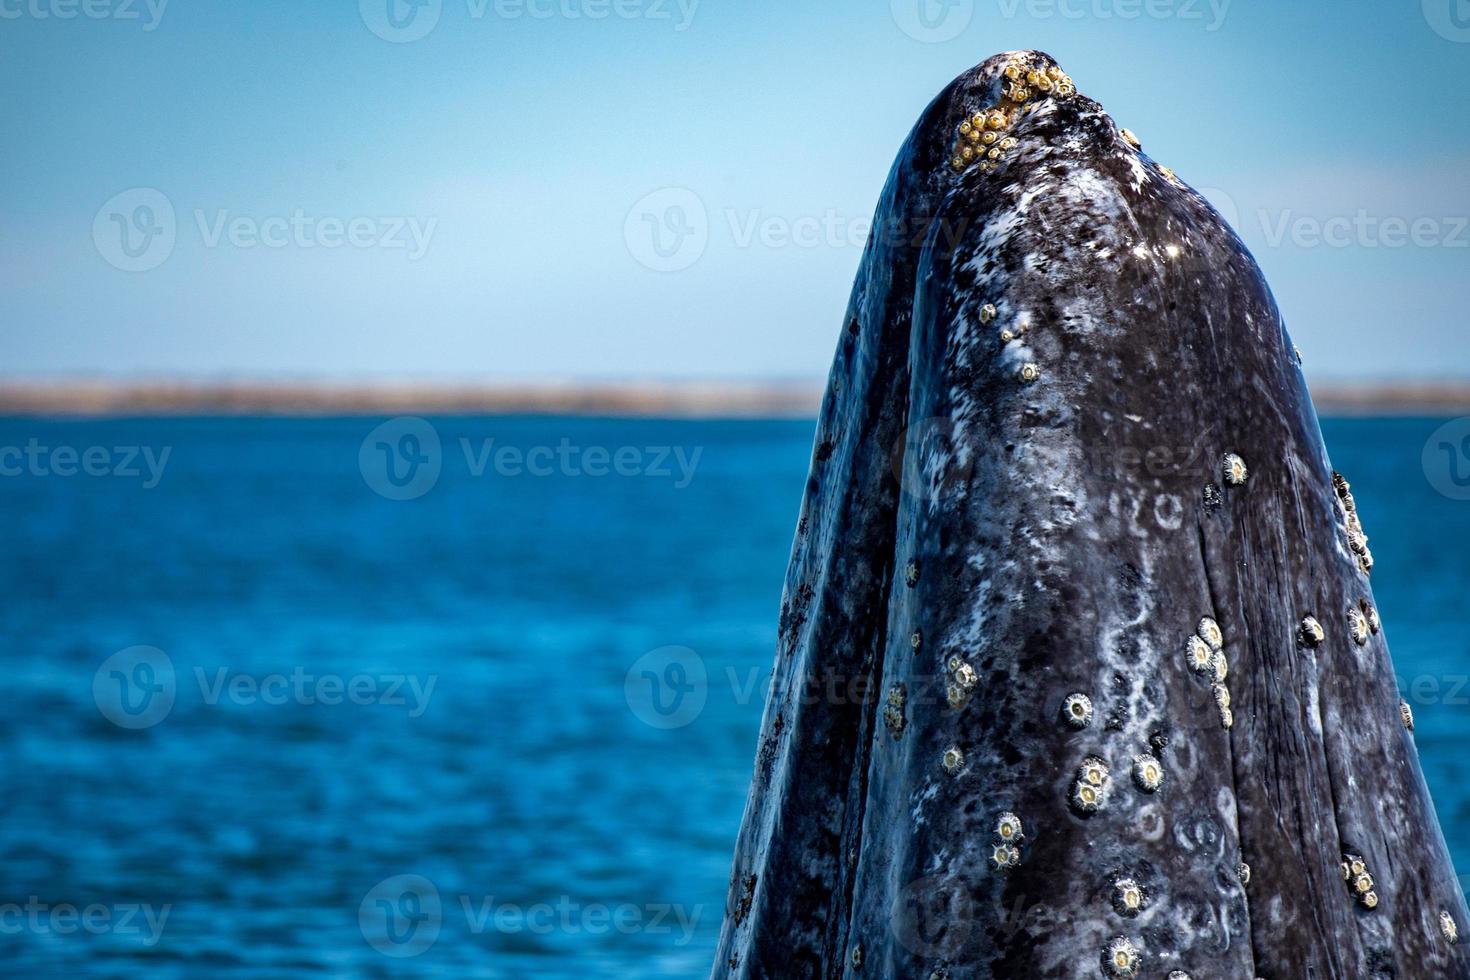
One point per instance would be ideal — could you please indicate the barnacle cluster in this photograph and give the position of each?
(1090, 790)
(1356, 538)
(1359, 881)
(1005, 851)
(1077, 710)
(983, 137)
(893, 716)
(1121, 958)
(1204, 653)
(961, 681)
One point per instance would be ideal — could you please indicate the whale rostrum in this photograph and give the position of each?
(1079, 672)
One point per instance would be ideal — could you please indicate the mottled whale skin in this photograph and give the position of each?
(1064, 426)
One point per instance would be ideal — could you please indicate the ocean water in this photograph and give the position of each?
(265, 719)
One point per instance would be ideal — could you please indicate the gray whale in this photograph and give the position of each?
(1079, 672)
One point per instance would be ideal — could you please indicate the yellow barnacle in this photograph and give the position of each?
(1066, 87)
(996, 119)
(1020, 93)
(957, 164)
(1358, 867)
(967, 153)
(965, 128)
(1130, 138)
(1009, 143)
(989, 137)
(1363, 884)
(1055, 73)
(1013, 71)
(1370, 900)
(1043, 83)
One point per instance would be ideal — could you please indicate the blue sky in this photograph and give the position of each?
(351, 199)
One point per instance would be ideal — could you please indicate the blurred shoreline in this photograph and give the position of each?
(609, 399)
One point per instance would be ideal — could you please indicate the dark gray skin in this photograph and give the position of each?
(1067, 533)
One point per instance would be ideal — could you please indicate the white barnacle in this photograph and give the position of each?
(1312, 633)
(1130, 139)
(987, 312)
(1449, 928)
(1178, 975)
(1004, 857)
(1008, 828)
(1199, 656)
(916, 639)
(1030, 373)
(911, 574)
(1222, 667)
(1128, 897)
(1227, 719)
(1122, 958)
(1148, 773)
(1370, 900)
(1407, 714)
(1243, 872)
(1007, 335)
(1077, 710)
(1222, 696)
(857, 957)
(1234, 470)
(964, 675)
(1374, 623)
(1358, 626)
(1210, 632)
(954, 760)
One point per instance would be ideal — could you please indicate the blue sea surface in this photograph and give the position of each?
(374, 737)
